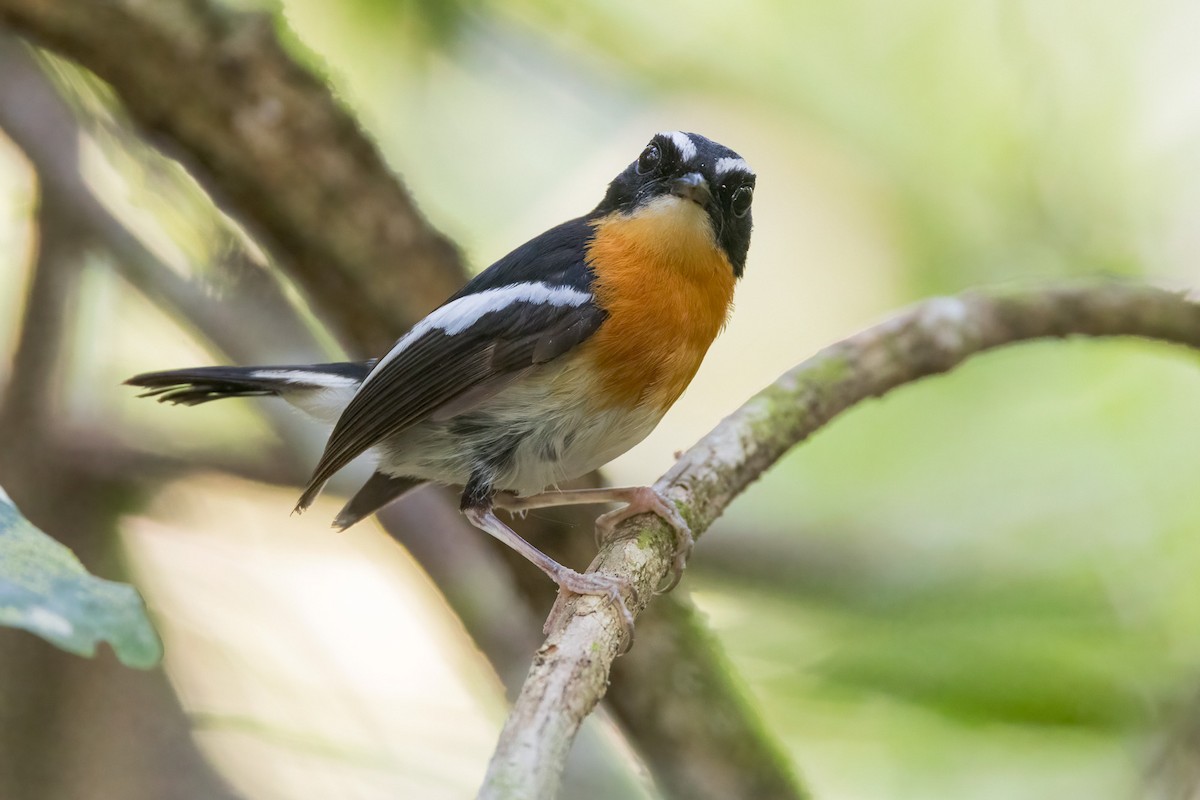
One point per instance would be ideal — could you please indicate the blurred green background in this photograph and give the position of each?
(982, 586)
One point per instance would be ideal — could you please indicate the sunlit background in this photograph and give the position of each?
(982, 586)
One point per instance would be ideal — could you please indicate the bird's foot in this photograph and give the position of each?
(611, 588)
(647, 500)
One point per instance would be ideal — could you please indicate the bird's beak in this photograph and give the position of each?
(692, 187)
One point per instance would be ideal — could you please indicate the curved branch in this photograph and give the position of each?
(267, 137)
(570, 672)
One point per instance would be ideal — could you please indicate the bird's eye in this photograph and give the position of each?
(741, 201)
(649, 159)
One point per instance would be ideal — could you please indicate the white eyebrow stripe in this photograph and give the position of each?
(687, 148)
(727, 164)
(455, 317)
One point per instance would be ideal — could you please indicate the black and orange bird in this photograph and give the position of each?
(556, 359)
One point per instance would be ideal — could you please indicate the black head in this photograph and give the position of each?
(692, 168)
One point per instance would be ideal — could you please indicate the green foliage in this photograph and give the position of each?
(45, 590)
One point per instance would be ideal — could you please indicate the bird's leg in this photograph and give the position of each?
(638, 500)
(483, 517)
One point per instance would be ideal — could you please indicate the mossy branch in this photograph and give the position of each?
(570, 672)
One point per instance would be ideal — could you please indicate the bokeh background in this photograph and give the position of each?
(983, 586)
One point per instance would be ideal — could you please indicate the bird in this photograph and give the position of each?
(545, 366)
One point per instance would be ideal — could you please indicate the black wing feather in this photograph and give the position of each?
(555, 258)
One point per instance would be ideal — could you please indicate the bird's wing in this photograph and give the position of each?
(466, 348)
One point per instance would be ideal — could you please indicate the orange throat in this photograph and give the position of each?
(668, 290)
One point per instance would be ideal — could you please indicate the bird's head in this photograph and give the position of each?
(689, 180)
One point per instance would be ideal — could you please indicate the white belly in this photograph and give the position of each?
(549, 427)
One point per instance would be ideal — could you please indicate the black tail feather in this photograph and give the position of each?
(191, 387)
(197, 385)
(376, 493)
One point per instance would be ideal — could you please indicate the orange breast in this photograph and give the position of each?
(668, 289)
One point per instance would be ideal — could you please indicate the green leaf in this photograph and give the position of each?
(46, 590)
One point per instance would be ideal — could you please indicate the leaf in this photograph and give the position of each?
(46, 590)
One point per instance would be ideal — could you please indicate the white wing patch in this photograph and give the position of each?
(724, 165)
(687, 148)
(464, 312)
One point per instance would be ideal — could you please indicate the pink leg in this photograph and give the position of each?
(568, 580)
(638, 500)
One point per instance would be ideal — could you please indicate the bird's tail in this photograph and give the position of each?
(294, 383)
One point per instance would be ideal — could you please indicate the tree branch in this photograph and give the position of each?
(28, 406)
(705, 741)
(266, 137)
(253, 306)
(570, 673)
(708, 743)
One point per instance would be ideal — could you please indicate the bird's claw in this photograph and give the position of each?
(647, 500)
(609, 587)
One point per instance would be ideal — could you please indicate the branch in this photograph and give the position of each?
(252, 306)
(1174, 773)
(570, 672)
(267, 137)
(705, 742)
(28, 406)
(708, 743)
